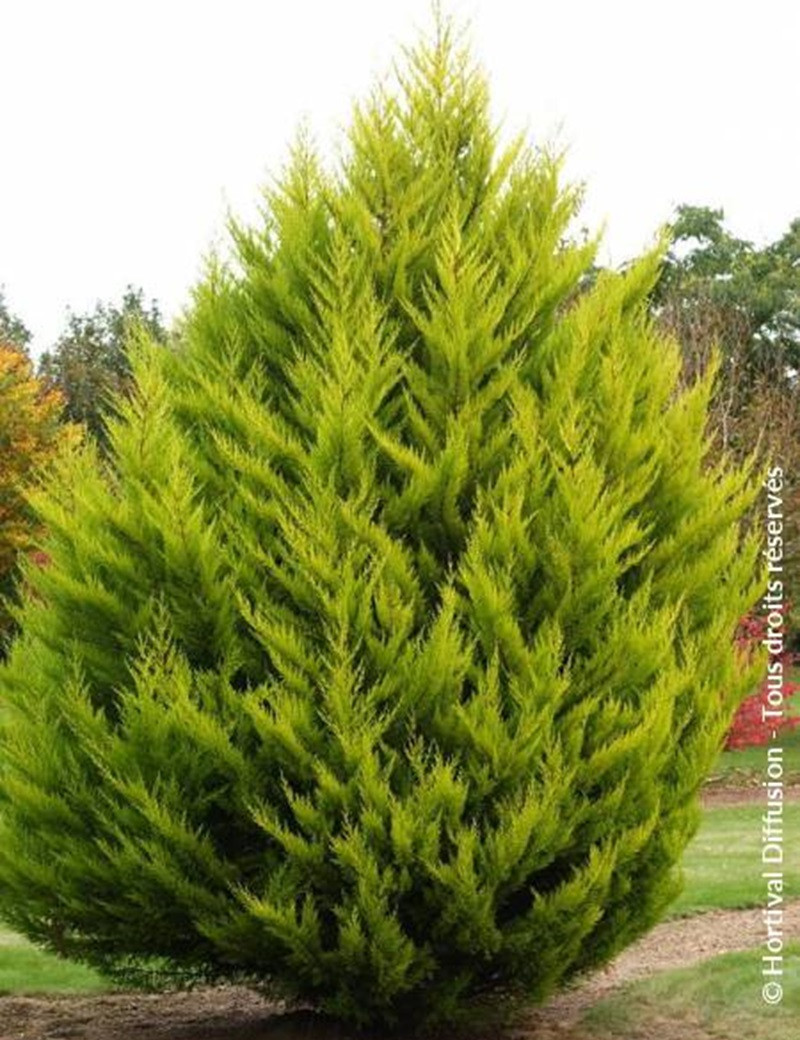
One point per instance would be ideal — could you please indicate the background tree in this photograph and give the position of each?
(751, 296)
(30, 433)
(12, 330)
(717, 291)
(385, 662)
(89, 364)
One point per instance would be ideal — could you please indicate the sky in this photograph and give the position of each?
(131, 129)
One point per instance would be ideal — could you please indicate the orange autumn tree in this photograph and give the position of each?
(30, 432)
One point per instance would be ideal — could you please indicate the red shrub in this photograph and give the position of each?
(749, 727)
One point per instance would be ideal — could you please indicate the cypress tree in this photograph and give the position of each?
(382, 661)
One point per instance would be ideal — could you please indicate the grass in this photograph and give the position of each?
(722, 865)
(747, 765)
(719, 999)
(26, 970)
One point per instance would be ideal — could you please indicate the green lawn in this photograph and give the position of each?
(722, 865)
(24, 969)
(719, 999)
(747, 765)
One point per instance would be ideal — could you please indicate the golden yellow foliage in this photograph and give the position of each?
(30, 433)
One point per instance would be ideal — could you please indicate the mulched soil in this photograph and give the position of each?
(713, 796)
(232, 1013)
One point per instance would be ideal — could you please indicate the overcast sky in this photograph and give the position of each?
(130, 128)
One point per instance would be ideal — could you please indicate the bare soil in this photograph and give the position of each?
(713, 796)
(747, 791)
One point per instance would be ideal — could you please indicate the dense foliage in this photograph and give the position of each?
(383, 661)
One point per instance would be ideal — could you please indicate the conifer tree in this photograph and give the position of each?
(381, 664)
